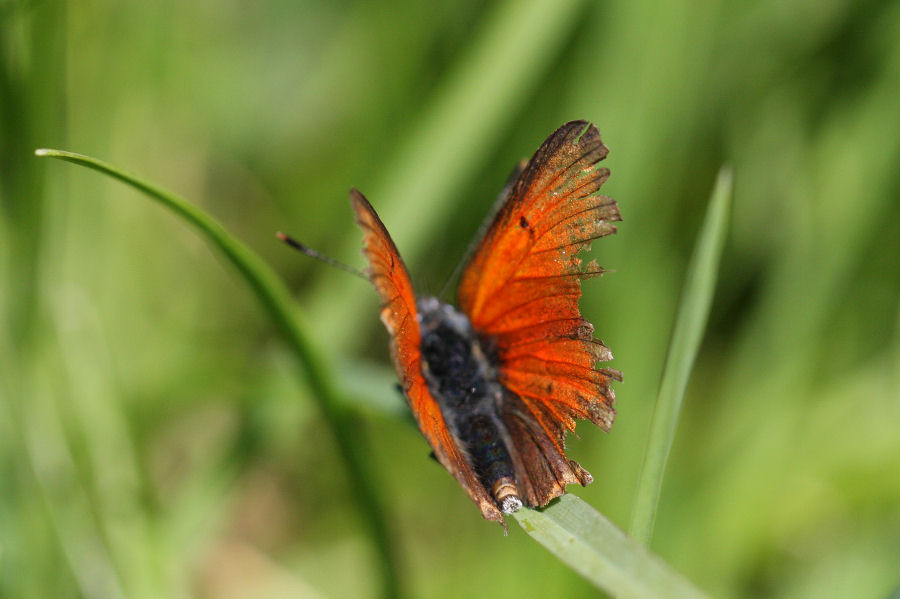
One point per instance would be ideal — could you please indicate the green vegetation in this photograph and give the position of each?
(693, 312)
(155, 440)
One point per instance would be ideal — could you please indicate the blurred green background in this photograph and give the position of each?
(154, 440)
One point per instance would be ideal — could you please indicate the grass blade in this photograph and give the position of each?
(280, 306)
(594, 547)
(693, 311)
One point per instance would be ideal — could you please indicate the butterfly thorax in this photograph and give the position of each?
(461, 371)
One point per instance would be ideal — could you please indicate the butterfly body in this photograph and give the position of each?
(462, 372)
(496, 383)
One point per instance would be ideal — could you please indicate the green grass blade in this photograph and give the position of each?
(591, 545)
(690, 323)
(279, 304)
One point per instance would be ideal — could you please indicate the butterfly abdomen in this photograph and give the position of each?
(491, 458)
(462, 377)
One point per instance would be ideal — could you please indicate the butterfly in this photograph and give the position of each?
(497, 381)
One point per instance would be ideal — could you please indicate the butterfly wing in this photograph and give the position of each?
(521, 290)
(398, 313)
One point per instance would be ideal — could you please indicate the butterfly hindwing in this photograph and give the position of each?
(521, 290)
(389, 275)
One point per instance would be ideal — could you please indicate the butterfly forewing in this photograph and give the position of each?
(389, 275)
(521, 290)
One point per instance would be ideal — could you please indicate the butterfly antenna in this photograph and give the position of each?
(485, 224)
(320, 256)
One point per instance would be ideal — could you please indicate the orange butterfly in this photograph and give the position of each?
(496, 383)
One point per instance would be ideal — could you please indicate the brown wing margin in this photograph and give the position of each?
(521, 288)
(398, 313)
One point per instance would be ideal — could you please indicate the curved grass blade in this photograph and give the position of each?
(693, 311)
(280, 306)
(591, 545)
